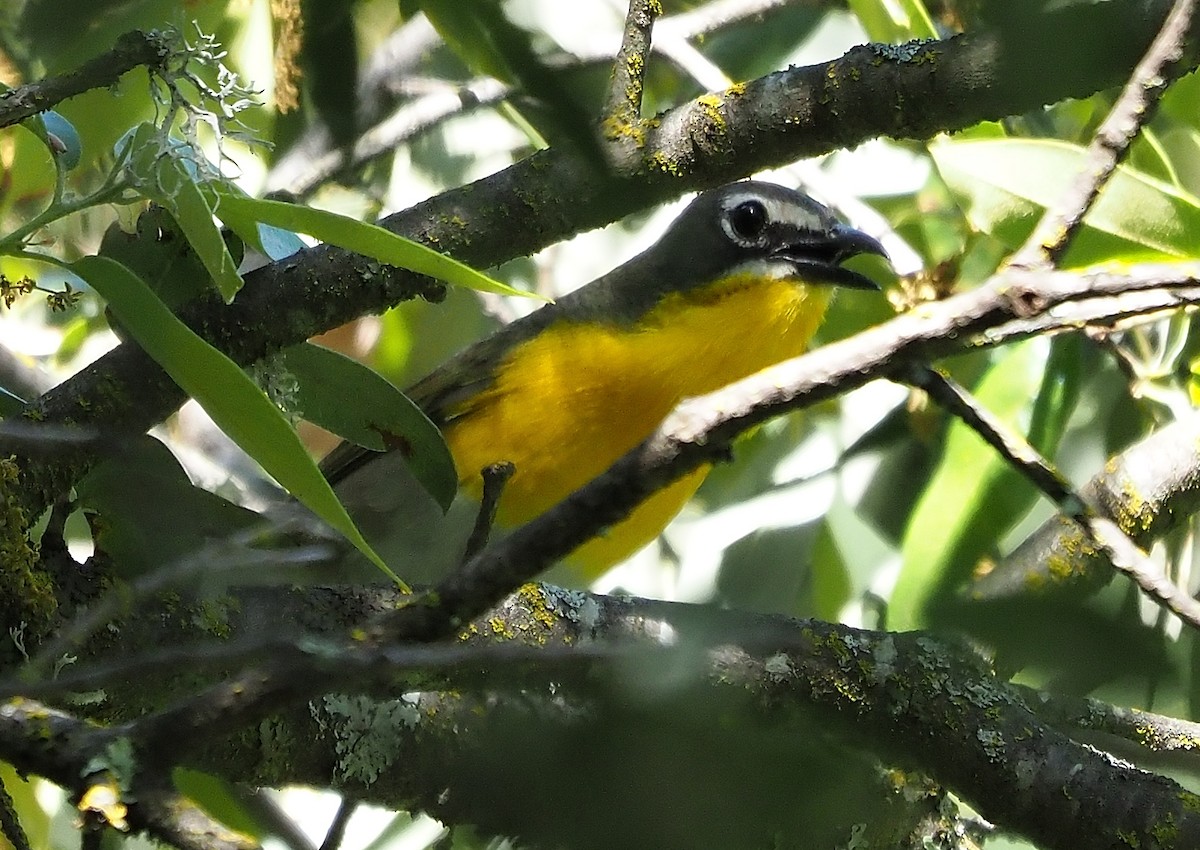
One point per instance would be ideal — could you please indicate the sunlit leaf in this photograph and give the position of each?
(1006, 184)
(973, 496)
(241, 212)
(893, 21)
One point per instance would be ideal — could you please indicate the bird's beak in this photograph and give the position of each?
(819, 261)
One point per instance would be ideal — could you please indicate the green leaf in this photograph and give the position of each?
(219, 798)
(159, 253)
(150, 513)
(466, 31)
(355, 402)
(233, 401)
(1005, 185)
(240, 212)
(831, 585)
(894, 21)
(486, 40)
(23, 803)
(972, 496)
(329, 60)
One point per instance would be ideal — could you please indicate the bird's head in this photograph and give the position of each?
(768, 230)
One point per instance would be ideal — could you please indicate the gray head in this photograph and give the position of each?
(747, 227)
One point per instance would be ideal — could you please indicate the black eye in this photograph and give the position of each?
(748, 219)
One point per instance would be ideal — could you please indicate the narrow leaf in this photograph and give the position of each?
(893, 21)
(170, 178)
(187, 204)
(357, 403)
(233, 401)
(237, 209)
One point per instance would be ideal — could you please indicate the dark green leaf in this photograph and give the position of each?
(170, 177)
(235, 403)
(10, 404)
(971, 497)
(329, 59)
(219, 798)
(148, 512)
(355, 402)
(159, 253)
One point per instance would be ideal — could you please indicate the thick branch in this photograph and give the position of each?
(66, 750)
(634, 681)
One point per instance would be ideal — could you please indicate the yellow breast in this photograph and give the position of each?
(569, 402)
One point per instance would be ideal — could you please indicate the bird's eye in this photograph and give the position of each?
(748, 219)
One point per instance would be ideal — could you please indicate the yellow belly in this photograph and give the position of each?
(567, 403)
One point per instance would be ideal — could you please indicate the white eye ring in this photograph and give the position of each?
(747, 220)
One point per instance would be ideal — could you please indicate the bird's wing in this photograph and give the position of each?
(445, 394)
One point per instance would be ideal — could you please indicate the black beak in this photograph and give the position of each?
(819, 260)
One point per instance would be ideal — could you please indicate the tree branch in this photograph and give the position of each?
(692, 435)
(1100, 533)
(622, 114)
(1147, 490)
(132, 50)
(561, 668)
(60, 747)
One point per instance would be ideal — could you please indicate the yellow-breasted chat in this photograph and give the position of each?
(740, 281)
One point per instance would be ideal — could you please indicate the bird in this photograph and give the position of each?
(739, 281)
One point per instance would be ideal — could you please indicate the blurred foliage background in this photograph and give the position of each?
(873, 509)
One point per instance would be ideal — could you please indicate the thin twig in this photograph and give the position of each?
(622, 114)
(226, 560)
(1134, 108)
(337, 828)
(312, 160)
(720, 14)
(10, 822)
(624, 102)
(302, 175)
(1010, 445)
(495, 476)
(1102, 532)
(1152, 488)
(1155, 733)
(133, 49)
